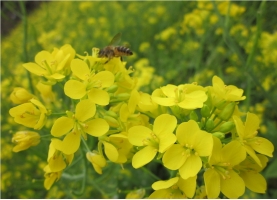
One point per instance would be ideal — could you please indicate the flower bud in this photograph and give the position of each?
(220, 105)
(20, 95)
(209, 125)
(205, 111)
(111, 121)
(97, 161)
(219, 135)
(227, 111)
(112, 89)
(193, 116)
(226, 127)
(111, 113)
(25, 139)
(123, 96)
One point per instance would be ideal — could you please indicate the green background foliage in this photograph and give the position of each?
(183, 41)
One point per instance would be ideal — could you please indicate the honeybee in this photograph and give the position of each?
(111, 51)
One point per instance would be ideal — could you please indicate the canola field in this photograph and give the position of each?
(183, 106)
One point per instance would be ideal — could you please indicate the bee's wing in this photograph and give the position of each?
(115, 40)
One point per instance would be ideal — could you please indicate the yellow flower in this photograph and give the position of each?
(97, 161)
(249, 172)
(187, 96)
(77, 125)
(51, 65)
(174, 188)
(57, 161)
(20, 95)
(157, 140)
(25, 139)
(193, 143)
(247, 137)
(50, 177)
(91, 84)
(227, 93)
(32, 115)
(220, 175)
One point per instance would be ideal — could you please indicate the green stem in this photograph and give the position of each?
(85, 143)
(82, 189)
(150, 173)
(25, 39)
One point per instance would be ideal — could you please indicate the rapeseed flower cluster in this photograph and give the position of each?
(196, 132)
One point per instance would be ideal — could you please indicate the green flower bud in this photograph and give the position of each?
(209, 125)
(220, 105)
(193, 116)
(111, 121)
(226, 127)
(227, 111)
(205, 111)
(123, 96)
(111, 113)
(112, 89)
(219, 135)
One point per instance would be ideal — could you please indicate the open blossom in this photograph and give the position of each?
(174, 188)
(32, 114)
(77, 125)
(247, 133)
(153, 141)
(90, 83)
(51, 65)
(220, 175)
(192, 144)
(227, 93)
(187, 96)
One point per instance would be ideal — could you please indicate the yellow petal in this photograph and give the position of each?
(97, 127)
(164, 123)
(262, 145)
(185, 131)
(203, 143)
(43, 56)
(57, 163)
(212, 183)
(84, 110)
(74, 89)
(166, 140)
(232, 187)
(71, 143)
(251, 125)
(233, 153)
(174, 157)
(160, 98)
(56, 76)
(98, 96)
(193, 100)
(191, 167)
(143, 156)
(62, 126)
(106, 78)
(35, 69)
(164, 184)
(110, 151)
(137, 135)
(80, 69)
(188, 186)
(239, 126)
(254, 181)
